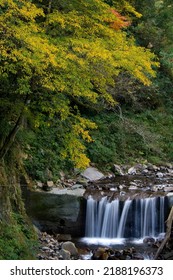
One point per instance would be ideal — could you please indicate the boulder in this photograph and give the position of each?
(92, 174)
(132, 171)
(61, 211)
(70, 247)
(159, 175)
(50, 184)
(100, 254)
(168, 188)
(76, 186)
(149, 240)
(65, 254)
(118, 170)
(39, 184)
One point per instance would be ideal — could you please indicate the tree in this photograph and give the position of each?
(59, 54)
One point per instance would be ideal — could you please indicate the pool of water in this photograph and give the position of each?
(145, 248)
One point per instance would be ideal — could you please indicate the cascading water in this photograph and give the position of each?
(135, 218)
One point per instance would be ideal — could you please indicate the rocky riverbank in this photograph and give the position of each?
(52, 247)
(124, 181)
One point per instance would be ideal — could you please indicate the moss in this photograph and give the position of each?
(18, 240)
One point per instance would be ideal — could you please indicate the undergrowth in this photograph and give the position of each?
(17, 239)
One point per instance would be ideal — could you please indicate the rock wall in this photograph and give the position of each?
(55, 213)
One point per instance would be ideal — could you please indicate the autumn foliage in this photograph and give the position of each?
(51, 62)
(120, 21)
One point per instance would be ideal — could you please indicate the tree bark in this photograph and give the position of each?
(11, 136)
(168, 233)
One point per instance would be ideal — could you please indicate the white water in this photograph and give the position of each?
(115, 220)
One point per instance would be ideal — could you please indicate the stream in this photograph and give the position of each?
(122, 217)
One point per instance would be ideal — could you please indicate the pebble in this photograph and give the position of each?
(52, 249)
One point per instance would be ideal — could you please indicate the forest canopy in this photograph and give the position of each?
(60, 59)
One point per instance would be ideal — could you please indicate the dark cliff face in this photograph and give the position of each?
(57, 213)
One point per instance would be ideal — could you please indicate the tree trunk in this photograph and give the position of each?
(168, 233)
(10, 138)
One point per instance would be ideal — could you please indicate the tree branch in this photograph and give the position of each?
(12, 134)
(168, 233)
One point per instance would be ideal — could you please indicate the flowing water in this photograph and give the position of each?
(131, 219)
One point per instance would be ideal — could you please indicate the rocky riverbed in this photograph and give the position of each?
(53, 248)
(140, 180)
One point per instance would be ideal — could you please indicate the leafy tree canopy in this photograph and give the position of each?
(56, 52)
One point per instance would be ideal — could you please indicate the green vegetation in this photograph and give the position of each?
(17, 239)
(80, 82)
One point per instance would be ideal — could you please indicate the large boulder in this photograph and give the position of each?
(70, 247)
(57, 212)
(92, 174)
(65, 254)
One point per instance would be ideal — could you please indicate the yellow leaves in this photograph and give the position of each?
(71, 56)
(74, 147)
(141, 63)
(69, 22)
(80, 129)
(20, 10)
(117, 54)
(131, 9)
(75, 151)
(29, 11)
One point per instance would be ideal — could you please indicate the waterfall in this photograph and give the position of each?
(135, 218)
(122, 223)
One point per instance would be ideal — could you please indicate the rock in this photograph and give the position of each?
(92, 174)
(39, 184)
(65, 254)
(120, 187)
(132, 187)
(58, 211)
(159, 174)
(133, 184)
(45, 248)
(122, 193)
(118, 170)
(113, 189)
(170, 172)
(76, 186)
(62, 175)
(72, 192)
(149, 240)
(63, 237)
(155, 168)
(100, 254)
(154, 188)
(83, 182)
(169, 165)
(138, 256)
(145, 171)
(50, 184)
(168, 188)
(70, 246)
(132, 171)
